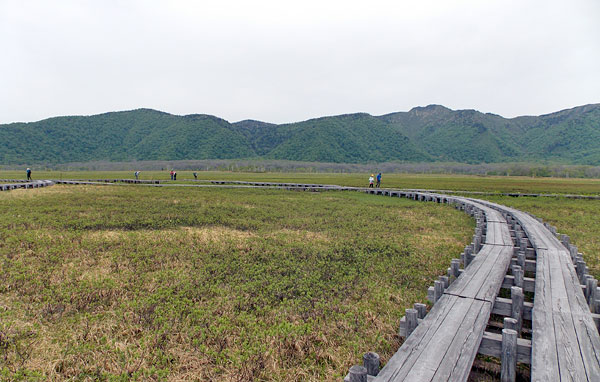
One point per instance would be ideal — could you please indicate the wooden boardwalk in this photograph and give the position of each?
(13, 184)
(565, 341)
(444, 344)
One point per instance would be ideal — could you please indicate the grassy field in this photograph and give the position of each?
(120, 283)
(418, 181)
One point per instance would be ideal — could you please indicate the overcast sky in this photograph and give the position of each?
(285, 61)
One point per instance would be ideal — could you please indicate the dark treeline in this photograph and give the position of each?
(499, 169)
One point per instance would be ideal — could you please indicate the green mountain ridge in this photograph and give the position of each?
(422, 134)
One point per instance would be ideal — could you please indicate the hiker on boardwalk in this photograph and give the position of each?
(174, 175)
(28, 173)
(195, 175)
(172, 172)
(378, 180)
(371, 179)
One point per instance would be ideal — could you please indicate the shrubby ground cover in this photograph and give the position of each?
(119, 283)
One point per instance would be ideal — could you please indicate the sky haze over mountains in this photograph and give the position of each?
(282, 62)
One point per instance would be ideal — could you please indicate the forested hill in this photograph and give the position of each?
(431, 133)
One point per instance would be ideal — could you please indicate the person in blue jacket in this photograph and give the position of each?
(28, 173)
(378, 180)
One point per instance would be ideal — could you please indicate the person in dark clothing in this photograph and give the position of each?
(378, 180)
(28, 173)
(195, 175)
(174, 175)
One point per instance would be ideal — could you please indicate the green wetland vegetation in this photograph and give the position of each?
(495, 184)
(119, 283)
(144, 283)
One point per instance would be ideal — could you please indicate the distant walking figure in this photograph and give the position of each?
(28, 173)
(174, 175)
(172, 172)
(196, 175)
(137, 175)
(371, 179)
(378, 180)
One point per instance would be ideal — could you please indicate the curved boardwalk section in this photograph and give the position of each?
(13, 184)
(444, 345)
(563, 342)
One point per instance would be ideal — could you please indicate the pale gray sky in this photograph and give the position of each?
(284, 61)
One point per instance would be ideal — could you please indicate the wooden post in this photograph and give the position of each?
(509, 356)
(594, 296)
(518, 275)
(438, 289)
(518, 230)
(573, 251)
(510, 323)
(471, 257)
(421, 309)
(468, 258)
(565, 240)
(358, 374)
(455, 266)
(431, 294)
(523, 244)
(445, 281)
(411, 321)
(521, 260)
(581, 270)
(588, 291)
(371, 362)
(516, 294)
(476, 243)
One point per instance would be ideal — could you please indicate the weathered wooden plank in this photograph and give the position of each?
(492, 282)
(491, 344)
(421, 364)
(544, 356)
(498, 234)
(588, 340)
(462, 282)
(569, 354)
(484, 277)
(456, 364)
(418, 342)
(503, 307)
(528, 283)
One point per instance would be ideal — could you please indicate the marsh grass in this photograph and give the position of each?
(498, 184)
(120, 283)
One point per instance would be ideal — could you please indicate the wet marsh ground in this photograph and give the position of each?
(120, 283)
